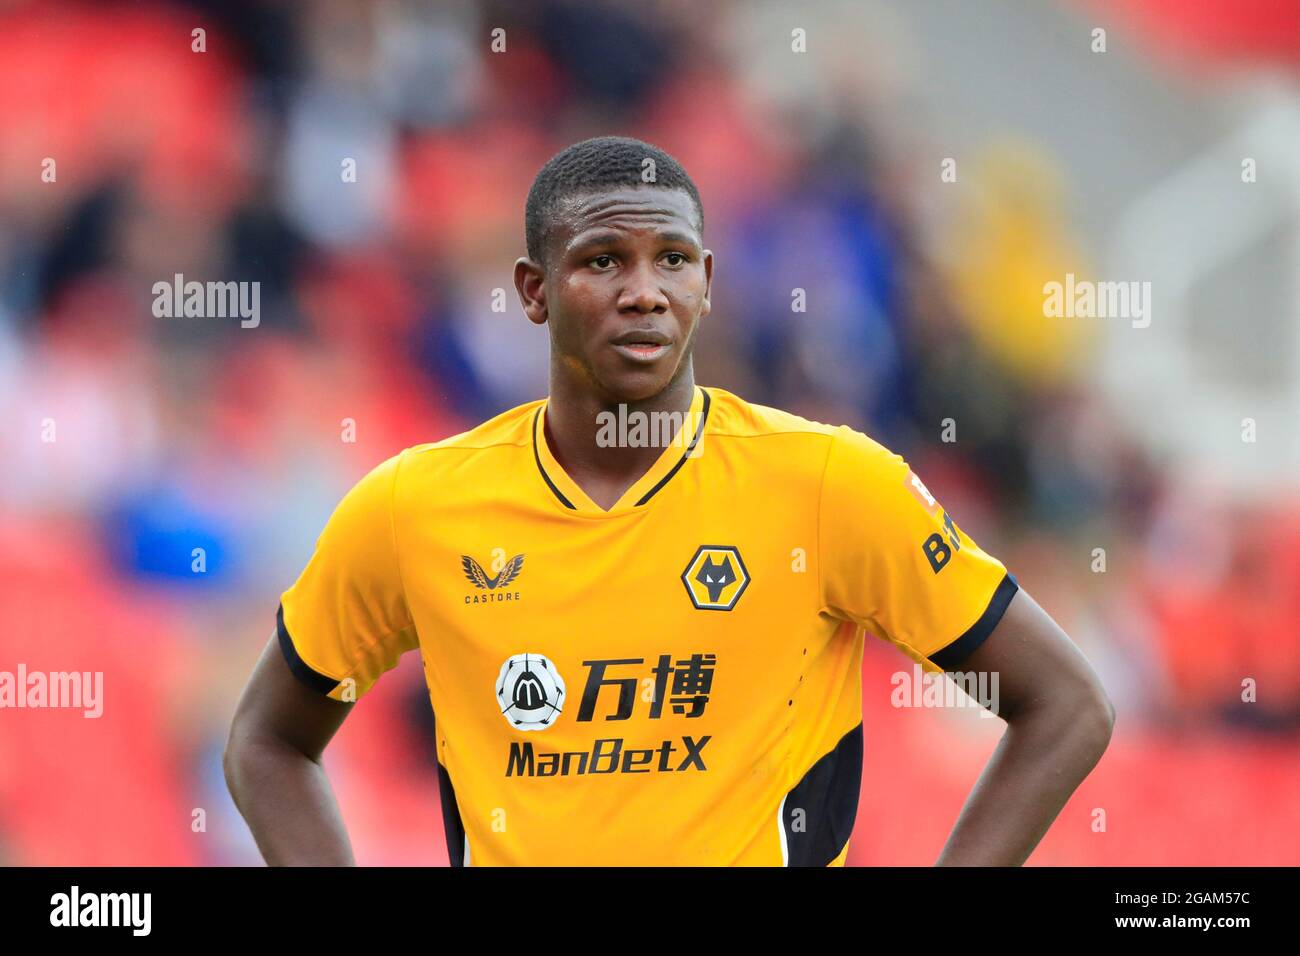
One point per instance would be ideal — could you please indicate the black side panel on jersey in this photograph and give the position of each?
(826, 801)
(451, 822)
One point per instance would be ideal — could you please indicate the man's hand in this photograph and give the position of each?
(1059, 723)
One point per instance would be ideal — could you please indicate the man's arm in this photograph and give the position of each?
(1059, 722)
(272, 764)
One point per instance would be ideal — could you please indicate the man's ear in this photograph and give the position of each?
(705, 306)
(530, 283)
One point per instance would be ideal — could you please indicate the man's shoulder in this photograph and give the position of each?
(734, 417)
(498, 437)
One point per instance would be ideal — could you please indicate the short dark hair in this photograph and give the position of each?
(599, 163)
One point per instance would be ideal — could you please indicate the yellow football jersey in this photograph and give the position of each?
(674, 681)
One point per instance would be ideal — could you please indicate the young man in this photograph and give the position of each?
(640, 603)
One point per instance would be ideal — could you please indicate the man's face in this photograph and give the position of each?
(625, 286)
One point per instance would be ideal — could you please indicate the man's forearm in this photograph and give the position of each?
(1042, 758)
(286, 799)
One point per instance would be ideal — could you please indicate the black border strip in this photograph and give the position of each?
(453, 827)
(952, 655)
(538, 458)
(301, 670)
(699, 431)
(828, 792)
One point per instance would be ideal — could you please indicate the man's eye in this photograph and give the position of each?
(602, 262)
(680, 259)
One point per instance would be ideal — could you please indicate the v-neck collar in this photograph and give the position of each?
(570, 496)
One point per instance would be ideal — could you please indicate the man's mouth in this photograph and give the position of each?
(642, 352)
(645, 345)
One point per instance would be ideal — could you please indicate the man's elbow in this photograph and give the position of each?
(1094, 714)
(1076, 708)
(230, 764)
(239, 758)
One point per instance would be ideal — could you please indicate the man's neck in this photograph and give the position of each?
(573, 425)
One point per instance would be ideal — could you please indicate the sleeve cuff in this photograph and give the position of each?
(956, 652)
(301, 670)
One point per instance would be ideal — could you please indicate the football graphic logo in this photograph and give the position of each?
(530, 692)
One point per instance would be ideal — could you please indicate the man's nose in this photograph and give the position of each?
(643, 292)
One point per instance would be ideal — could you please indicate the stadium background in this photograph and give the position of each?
(820, 170)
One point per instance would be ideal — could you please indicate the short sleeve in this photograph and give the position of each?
(893, 561)
(345, 621)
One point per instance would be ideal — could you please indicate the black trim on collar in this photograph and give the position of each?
(695, 439)
(547, 478)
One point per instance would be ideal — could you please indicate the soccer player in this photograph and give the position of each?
(640, 603)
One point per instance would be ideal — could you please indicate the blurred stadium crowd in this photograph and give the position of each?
(129, 441)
